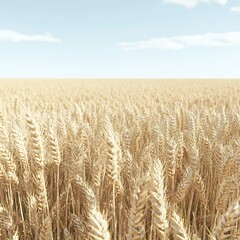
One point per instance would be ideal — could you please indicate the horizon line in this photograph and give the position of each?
(118, 78)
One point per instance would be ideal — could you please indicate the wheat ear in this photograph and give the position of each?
(158, 200)
(98, 225)
(227, 222)
(178, 228)
(136, 219)
(46, 230)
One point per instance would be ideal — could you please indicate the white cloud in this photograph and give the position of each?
(193, 3)
(179, 42)
(7, 35)
(235, 9)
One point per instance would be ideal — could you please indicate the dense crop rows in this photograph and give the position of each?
(119, 160)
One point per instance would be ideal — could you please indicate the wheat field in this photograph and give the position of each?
(119, 159)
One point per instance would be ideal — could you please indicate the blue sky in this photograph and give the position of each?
(120, 38)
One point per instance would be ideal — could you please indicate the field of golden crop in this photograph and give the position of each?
(113, 159)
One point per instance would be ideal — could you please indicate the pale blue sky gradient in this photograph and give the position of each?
(90, 31)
